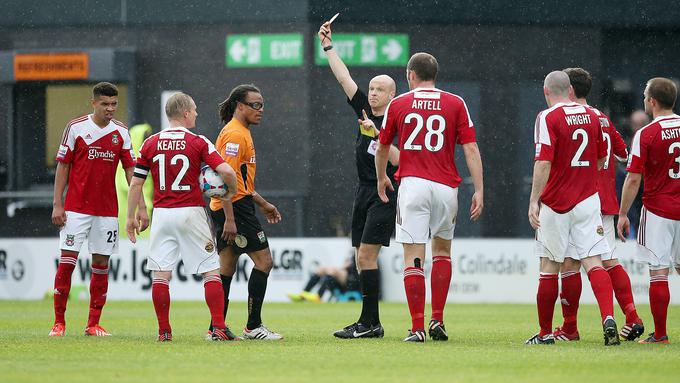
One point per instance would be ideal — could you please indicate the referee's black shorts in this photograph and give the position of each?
(249, 234)
(372, 219)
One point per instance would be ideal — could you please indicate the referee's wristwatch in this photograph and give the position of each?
(327, 48)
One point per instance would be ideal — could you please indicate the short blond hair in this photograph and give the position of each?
(177, 104)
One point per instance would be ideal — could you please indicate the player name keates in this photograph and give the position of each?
(171, 145)
(426, 104)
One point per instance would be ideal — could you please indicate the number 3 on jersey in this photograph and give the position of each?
(436, 132)
(160, 158)
(671, 150)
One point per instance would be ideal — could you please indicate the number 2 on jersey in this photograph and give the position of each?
(437, 132)
(160, 158)
(576, 160)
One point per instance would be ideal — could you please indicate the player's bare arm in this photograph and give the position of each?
(338, 67)
(132, 225)
(269, 210)
(367, 123)
(142, 216)
(229, 228)
(60, 182)
(630, 189)
(474, 164)
(381, 156)
(540, 179)
(229, 176)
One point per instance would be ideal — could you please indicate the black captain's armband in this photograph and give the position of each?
(141, 171)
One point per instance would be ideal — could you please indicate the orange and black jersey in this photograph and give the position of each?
(235, 145)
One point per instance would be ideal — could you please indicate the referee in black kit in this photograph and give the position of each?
(372, 220)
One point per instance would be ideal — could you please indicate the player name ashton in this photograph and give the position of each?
(670, 134)
(577, 119)
(426, 104)
(171, 145)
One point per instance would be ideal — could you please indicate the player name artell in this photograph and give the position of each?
(426, 104)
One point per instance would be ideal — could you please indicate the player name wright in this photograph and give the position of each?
(577, 119)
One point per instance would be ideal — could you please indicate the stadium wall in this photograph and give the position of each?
(484, 271)
(493, 55)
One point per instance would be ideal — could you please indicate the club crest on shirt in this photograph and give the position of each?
(209, 247)
(70, 239)
(114, 139)
(600, 230)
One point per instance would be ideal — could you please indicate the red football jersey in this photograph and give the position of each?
(655, 153)
(429, 123)
(174, 157)
(570, 137)
(616, 152)
(94, 153)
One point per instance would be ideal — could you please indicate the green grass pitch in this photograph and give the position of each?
(486, 345)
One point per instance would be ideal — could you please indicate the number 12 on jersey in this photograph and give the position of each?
(160, 158)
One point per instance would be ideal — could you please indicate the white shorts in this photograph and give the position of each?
(425, 208)
(658, 241)
(182, 231)
(581, 226)
(609, 235)
(101, 233)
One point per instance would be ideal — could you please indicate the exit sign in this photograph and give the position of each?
(264, 50)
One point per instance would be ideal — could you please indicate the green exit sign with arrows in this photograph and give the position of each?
(264, 50)
(367, 49)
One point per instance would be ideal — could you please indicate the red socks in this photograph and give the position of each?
(62, 285)
(214, 297)
(440, 280)
(160, 293)
(545, 301)
(99, 285)
(659, 298)
(569, 298)
(623, 292)
(414, 284)
(602, 288)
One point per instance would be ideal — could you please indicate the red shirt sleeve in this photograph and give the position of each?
(465, 129)
(209, 154)
(544, 138)
(638, 154)
(618, 145)
(389, 127)
(143, 163)
(67, 146)
(127, 154)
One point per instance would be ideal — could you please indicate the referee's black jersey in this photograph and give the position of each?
(367, 141)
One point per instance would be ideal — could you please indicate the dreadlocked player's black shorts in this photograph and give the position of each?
(249, 234)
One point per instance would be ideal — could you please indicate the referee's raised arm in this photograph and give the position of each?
(337, 66)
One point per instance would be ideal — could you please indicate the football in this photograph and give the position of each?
(211, 183)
